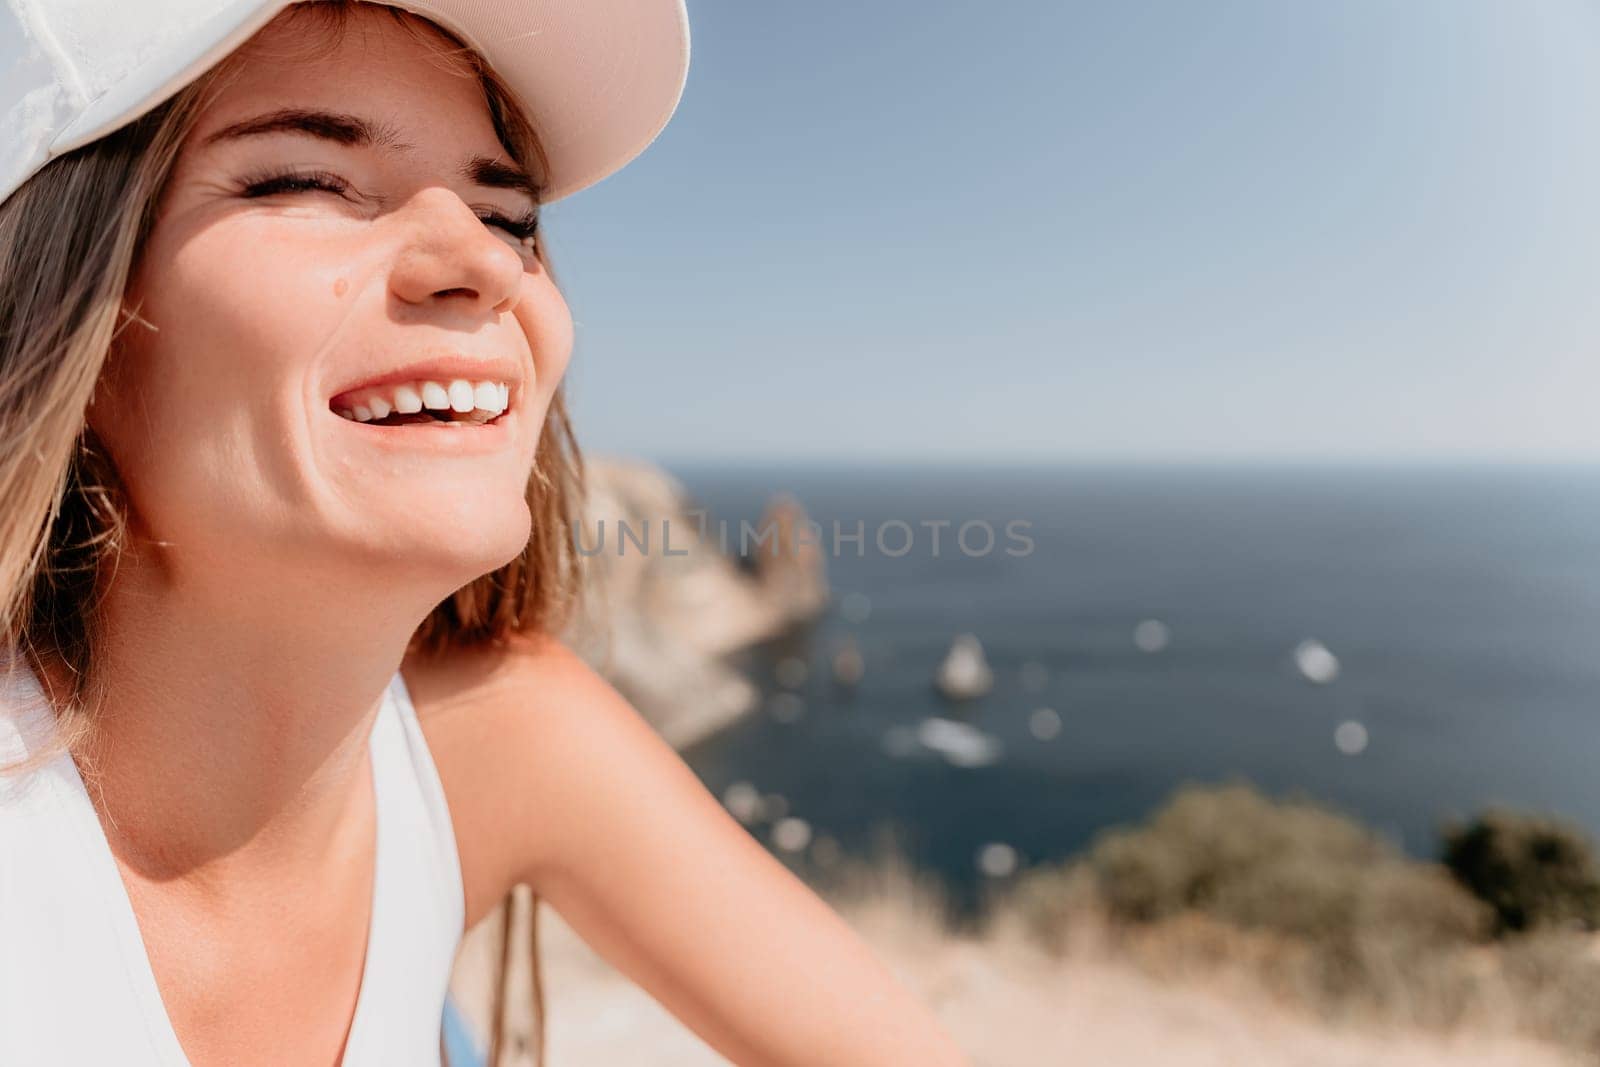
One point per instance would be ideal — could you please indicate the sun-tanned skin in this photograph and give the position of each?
(555, 780)
(282, 560)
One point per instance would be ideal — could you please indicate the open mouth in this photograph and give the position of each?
(456, 404)
(430, 418)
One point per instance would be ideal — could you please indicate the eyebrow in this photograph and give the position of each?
(357, 132)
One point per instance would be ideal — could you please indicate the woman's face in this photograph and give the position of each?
(261, 304)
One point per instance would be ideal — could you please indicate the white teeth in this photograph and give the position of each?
(461, 396)
(434, 398)
(407, 400)
(483, 400)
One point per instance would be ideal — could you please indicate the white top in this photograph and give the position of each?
(76, 984)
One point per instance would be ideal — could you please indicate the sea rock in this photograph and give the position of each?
(663, 604)
(964, 673)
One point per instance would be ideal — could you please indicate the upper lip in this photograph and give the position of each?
(442, 367)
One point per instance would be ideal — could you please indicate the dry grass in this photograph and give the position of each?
(1188, 991)
(1288, 902)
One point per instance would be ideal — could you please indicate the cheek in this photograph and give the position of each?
(203, 381)
(237, 312)
(241, 300)
(547, 322)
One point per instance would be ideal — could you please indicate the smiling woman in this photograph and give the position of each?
(285, 481)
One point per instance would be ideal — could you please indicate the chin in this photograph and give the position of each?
(483, 543)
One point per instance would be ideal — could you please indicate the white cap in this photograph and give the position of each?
(598, 78)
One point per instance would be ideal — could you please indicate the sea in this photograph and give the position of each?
(1408, 645)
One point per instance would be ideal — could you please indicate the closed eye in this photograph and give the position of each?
(522, 227)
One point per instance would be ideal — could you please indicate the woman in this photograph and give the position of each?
(285, 485)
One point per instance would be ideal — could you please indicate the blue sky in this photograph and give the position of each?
(1147, 230)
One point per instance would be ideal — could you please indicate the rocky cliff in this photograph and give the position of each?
(664, 604)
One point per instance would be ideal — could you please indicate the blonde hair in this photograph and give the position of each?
(69, 241)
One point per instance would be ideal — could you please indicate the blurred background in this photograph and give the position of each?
(1242, 357)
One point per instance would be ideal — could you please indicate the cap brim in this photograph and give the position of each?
(597, 78)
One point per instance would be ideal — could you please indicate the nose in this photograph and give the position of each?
(451, 258)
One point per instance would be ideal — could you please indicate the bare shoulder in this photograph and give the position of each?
(529, 741)
(554, 779)
(444, 687)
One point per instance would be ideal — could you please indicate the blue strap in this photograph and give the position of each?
(460, 1045)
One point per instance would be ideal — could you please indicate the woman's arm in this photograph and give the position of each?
(554, 779)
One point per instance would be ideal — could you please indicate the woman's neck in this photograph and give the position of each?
(232, 742)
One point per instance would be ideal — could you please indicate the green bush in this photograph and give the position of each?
(1368, 914)
(1329, 914)
(1534, 871)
